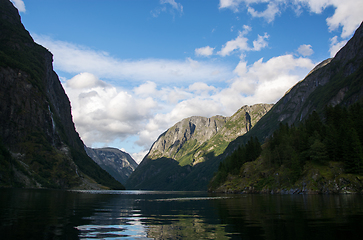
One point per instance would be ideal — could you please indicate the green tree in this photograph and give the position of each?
(318, 152)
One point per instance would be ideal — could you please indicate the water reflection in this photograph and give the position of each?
(50, 214)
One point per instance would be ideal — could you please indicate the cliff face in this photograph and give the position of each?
(35, 115)
(189, 133)
(185, 156)
(117, 163)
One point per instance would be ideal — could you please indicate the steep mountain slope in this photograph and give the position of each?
(117, 163)
(183, 158)
(35, 117)
(334, 82)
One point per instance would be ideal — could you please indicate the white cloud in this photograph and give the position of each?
(146, 89)
(260, 42)
(305, 50)
(347, 14)
(232, 4)
(175, 5)
(241, 43)
(165, 3)
(335, 45)
(19, 4)
(267, 81)
(74, 59)
(204, 51)
(269, 14)
(200, 87)
(102, 112)
(85, 80)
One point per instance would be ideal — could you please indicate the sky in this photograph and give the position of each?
(132, 69)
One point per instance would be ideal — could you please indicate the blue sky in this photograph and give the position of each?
(132, 69)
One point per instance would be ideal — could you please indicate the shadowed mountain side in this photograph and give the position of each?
(160, 174)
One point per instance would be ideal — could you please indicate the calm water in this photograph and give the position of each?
(50, 214)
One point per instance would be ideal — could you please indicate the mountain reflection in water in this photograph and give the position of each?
(57, 214)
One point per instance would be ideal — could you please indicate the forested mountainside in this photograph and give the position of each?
(313, 135)
(117, 163)
(39, 144)
(184, 157)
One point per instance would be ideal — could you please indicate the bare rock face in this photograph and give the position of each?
(197, 129)
(117, 163)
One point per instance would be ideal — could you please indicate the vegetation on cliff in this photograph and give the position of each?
(324, 154)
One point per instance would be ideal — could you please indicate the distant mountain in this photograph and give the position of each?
(39, 146)
(117, 163)
(184, 157)
(336, 82)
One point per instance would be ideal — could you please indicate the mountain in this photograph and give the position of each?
(117, 163)
(315, 131)
(39, 146)
(185, 156)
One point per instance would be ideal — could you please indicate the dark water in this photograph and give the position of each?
(50, 214)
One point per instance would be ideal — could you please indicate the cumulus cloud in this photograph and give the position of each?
(74, 59)
(347, 14)
(305, 50)
(19, 4)
(232, 4)
(204, 51)
(268, 81)
(240, 43)
(269, 14)
(272, 9)
(260, 42)
(102, 112)
(85, 80)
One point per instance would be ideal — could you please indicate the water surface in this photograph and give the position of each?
(57, 214)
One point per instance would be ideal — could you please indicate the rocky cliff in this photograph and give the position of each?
(36, 124)
(117, 163)
(184, 157)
